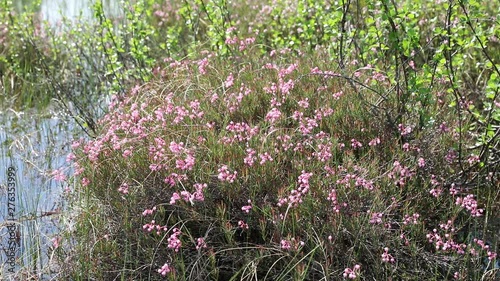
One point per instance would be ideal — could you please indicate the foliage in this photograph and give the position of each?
(277, 140)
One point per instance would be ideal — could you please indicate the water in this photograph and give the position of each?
(33, 144)
(53, 11)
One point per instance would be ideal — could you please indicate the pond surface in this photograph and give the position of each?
(54, 10)
(32, 145)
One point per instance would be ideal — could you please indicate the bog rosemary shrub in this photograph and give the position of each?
(275, 167)
(283, 140)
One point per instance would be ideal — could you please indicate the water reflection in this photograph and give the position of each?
(53, 11)
(34, 144)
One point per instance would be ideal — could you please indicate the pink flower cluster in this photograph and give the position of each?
(233, 100)
(241, 132)
(445, 242)
(436, 191)
(411, 219)
(386, 257)
(468, 202)
(243, 43)
(250, 158)
(491, 255)
(265, 157)
(175, 148)
(404, 130)
(202, 65)
(356, 144)
(165, 269)
(376, 218)
(153, 226)
(248, 207)
(58, 175)
(200, 243)
(291, 244)
(374, 142)
(173, 241)
(332, 196)
(242, 224)
(295, 197)
(226, 175)
(123, 188)
(349, 180)
(273, 115)
(352, 273)
(149, 211)
(187, 196)
(401, 174)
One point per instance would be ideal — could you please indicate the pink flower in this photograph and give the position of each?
(149, 211)
(332, 196)
(404, 130)
(386, 257)
(55, 241)
(198, 194)
(173, 241)
(225, 175)
(273, 115)
(411, 219)
(436, 192)
(164, 269)
(304, 103)
(185, 164)
(406, 147)
(264, 158)
(58, 175)
(295, 198)
(250, 158)
(85, 181)
(242, 225)
(338, 95)
(352, 273)
(376, 218)
(70, 157)
(356, 144)
(285, 244)
(123, 188)
(374, 142)
(186, 195)
(229, 81)
(247, 208)
(200, 243)
(421, 162)
(75, 144)
(469, 203)
(202, 65)
(127, 152)
(174, 198)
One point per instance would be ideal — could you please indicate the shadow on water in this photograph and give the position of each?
(34, 144)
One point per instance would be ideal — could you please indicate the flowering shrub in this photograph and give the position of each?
(227, 184)
(285, 165)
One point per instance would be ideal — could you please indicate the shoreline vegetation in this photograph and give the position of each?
(280, 140)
